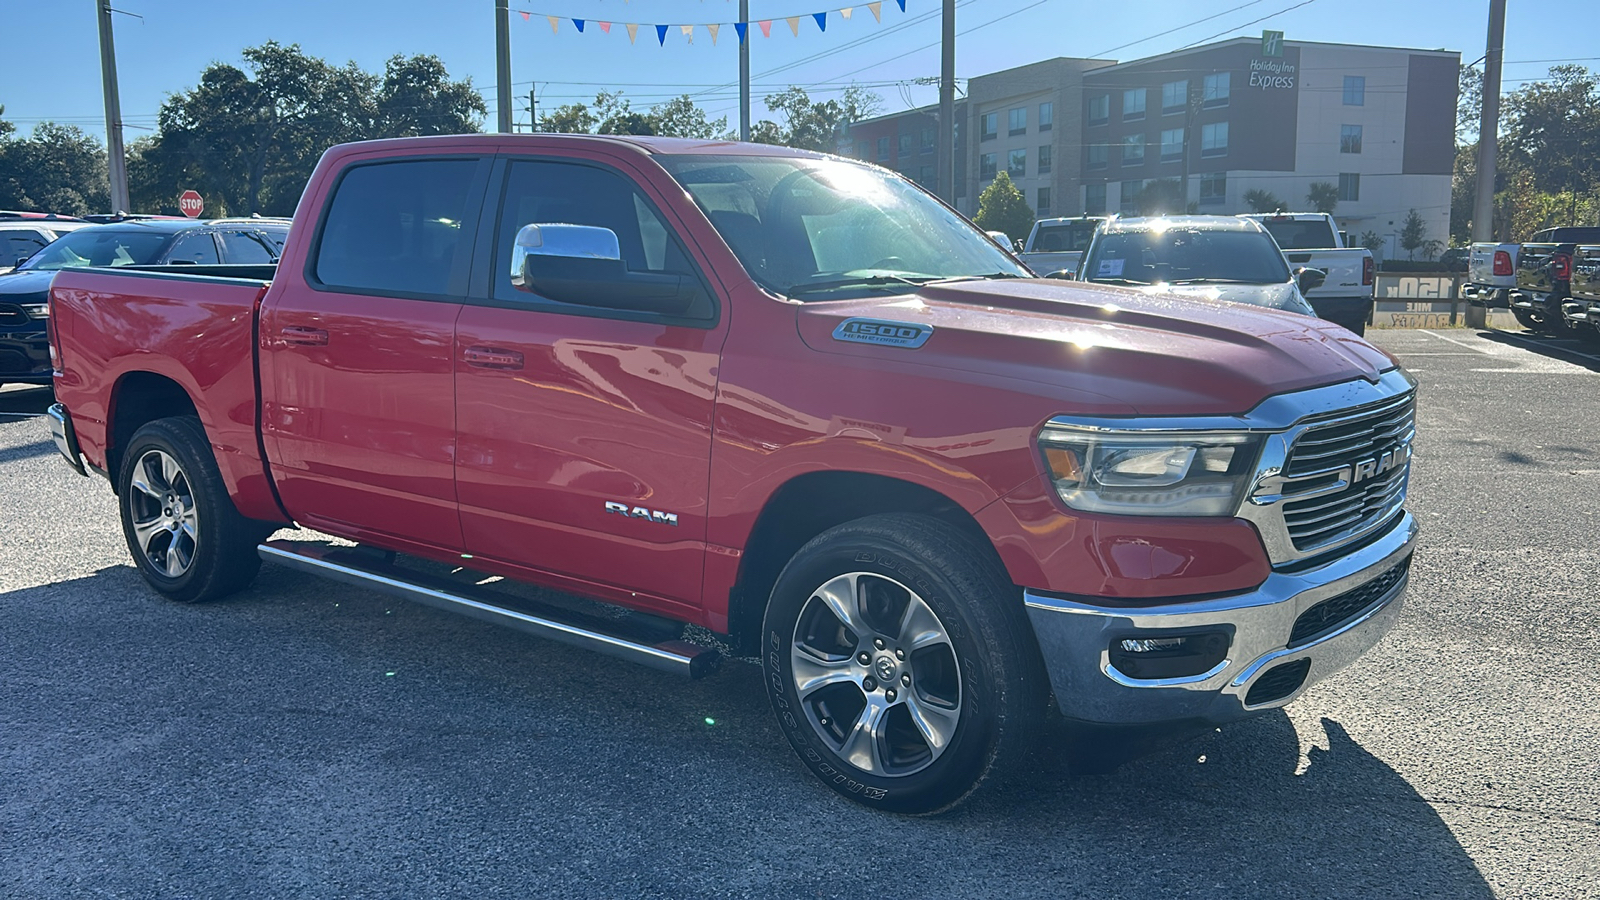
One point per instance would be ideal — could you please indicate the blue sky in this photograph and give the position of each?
(51, 69)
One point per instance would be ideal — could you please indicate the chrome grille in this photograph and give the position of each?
(11, 314)
(1325, 455)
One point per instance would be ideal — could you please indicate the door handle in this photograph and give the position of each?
(300, 334)
(489, 358)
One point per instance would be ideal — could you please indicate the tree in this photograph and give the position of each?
(1555, 124)
(573, 118)
(814, 126)
(58, 168)
(1162, 197)
(417, 97)
(614, 114)
(679, 117)
(1001, 207)
(1413, 234)
(1371, 240)
(1323, 196)
(1262, 201)
(1469, 104)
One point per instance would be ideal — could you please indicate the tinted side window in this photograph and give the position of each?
(198, 249)
(244, 248)
(396, 227)
(566, 193)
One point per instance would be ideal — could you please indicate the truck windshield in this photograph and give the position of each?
(1309, 234)
(1067, 237)
(817, 227)
(94, 247)
(1179, 256)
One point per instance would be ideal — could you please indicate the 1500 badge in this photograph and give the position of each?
(887, 334)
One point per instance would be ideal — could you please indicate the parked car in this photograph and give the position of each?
(24, 351)
(1056, 245)
(1535, 279)
(23, 235)
(1220, 258)
(787, 397)
(1313, 240)
(1454, 259)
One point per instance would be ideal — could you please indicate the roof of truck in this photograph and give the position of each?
(642, 143)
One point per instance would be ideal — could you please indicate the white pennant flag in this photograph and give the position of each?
(877, 10)
(688, 32)
(845, 13)
(555, 24)
(713, 27)
(633, 31)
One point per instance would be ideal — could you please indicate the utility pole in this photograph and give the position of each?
(115, 157)
(533, 109)
(502, 68)
(947, 106)
(1488, 141)
(744, 71)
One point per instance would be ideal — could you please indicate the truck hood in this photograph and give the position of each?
(1152, 354)
(1274, 296)
(26, 286)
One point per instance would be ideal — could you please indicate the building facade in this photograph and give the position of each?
(1203, 128)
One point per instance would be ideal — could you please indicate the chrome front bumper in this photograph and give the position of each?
(66, 439)
(1077, 638)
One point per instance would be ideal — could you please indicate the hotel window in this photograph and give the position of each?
(1214, 90)
(1098, 154)
(1355, 90)
(1349, 187)
(1174, 97)
(1213, 188)
(1046, 159)
(1017, 163)
(1017, 121)
(1349, 138)
(1172, 145)
(1133, 105)
(863, 150)
(925, 177)
(986, 166)
(1044, 201)
(1100, 109)
(907, 142)
(1214, 140)
(1047, 116)
(1133, 150)
(1094, 199)
(989, 126)
(927, 140)
(1129, 202)
(883, 149)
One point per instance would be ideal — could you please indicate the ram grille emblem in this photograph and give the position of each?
(639, 512)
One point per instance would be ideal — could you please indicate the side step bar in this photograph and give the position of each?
(361, 569)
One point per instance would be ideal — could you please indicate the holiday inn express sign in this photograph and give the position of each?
(1271, 72)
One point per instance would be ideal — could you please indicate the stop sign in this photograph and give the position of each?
(191, 204)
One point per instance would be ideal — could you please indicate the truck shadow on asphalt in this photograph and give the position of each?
(1568, 350)
(299, 710)
(25, 403)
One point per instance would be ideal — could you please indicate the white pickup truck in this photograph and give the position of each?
(1311, 240)
(1057, 244)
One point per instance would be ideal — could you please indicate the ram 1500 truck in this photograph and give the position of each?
(1057, 245)
(1313, 240)
(790, 398)
(1552, 279)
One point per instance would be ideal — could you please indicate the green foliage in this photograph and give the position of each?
(1371, 240)
(1161, 197)
(1001, 207)
(1469, 103)
(1413, 234)
(614, 114)
(1323, 196)
(248, 138)
(58, 168)
(1262, 201)
(813, 125)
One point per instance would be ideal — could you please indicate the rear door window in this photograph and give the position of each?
(245, 248)
(396, 228)
(194, 249)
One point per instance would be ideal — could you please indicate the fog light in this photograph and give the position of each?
(1169, 655)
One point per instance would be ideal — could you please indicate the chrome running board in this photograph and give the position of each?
(362, 569)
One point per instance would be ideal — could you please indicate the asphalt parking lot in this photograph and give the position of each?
(307, 739)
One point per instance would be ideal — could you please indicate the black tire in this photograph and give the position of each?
(984, 683)
(183, 531)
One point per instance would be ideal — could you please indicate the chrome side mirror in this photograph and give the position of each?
(563, 241)
(1309, 279)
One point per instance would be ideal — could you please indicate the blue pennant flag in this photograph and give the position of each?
(741, 27)
(902, 5)
(579, 23)
(661, 34)
(822, 18)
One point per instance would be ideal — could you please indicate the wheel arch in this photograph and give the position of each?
(811, 503)
(139, 397)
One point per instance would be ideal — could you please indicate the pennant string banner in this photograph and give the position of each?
(687, 30)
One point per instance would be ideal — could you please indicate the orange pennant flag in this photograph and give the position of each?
(713, 29)
(555, 24)
(633, 31)
(877, 10)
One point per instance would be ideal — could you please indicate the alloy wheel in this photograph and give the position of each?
(166, 525)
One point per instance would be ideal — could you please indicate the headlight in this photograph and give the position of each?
(1149, 473)
(37, 310)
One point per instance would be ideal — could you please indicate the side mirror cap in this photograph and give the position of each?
(1309, 279)
(582, 264)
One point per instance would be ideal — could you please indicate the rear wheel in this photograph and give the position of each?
(900, 663)
(186, 537)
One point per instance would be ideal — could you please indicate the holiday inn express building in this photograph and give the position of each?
(1085, 136)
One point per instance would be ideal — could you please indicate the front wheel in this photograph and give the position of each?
(187, 538)
(900, 664)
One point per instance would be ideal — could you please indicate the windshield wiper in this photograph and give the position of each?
(988, 277)
(862, 281)
(1212, 281)
(1127, 281)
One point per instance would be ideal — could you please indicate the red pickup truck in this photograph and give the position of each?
(791, 398)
